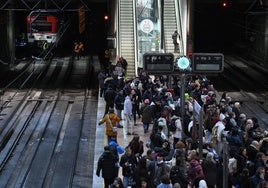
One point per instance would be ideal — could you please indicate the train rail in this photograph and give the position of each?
(42, 139)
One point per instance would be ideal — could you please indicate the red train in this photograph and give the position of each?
(42, 28)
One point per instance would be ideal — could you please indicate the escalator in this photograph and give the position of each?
(126, 34)
(175, 18)
(133, 40)
(170, 25)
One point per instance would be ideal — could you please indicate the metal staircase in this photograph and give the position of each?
(170, 25)
(126, 34)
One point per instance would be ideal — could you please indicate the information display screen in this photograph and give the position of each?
(158, 63)
(207, 62)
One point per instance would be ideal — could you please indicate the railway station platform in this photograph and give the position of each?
(123, 139)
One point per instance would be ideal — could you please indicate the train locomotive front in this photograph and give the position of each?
(42, 30)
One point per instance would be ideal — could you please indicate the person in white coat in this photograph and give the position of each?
(218, 135)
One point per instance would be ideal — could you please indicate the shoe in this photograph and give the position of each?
(119, 126)
(128, 133)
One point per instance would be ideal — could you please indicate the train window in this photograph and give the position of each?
(46, 27)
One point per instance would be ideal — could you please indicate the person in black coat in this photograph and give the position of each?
(101, 77)
(175, 36)
(243, 178)
(177, 174)
(119, 104)
(241, 158)
(257, 178)
(219, 173)
(252, 151)
(106, 165)
(210, 167)
(109, 96)
(128, 162)
(141, 172)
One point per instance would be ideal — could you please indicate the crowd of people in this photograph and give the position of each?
(170, 158)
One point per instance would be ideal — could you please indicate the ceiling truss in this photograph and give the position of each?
(30, 5)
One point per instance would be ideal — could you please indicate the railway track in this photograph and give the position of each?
(42, 129)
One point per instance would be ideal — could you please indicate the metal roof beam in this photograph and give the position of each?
(26, 5)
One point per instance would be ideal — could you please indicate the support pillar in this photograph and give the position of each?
(190, 25)
(266, 37)
(11, 36)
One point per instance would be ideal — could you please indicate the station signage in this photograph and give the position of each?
(158, 63)
(207, 63)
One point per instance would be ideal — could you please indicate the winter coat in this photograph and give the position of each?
(101, 78)
(119, 101)
(177, 176)
(146, 114)
(106, 164)
(156, 172)
(235, 142)
(110, 123)
(209, 169)
(128, 164)
(264, 146)
(109, 96)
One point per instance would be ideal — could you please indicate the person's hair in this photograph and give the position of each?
(143, 179)
(241, 150)
(165, 179)
(245, 172)
(259, 155)
(119, 181)
(136, 138)
(149, 152)
(258, 171)
(176, 185)
(128, 147)
(106, 148)
(142, 163)
(160, 127)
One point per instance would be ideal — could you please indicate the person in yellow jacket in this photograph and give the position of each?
(111, 120)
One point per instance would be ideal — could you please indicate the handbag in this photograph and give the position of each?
(114, 129)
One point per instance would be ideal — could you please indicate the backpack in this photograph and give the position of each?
(156, 140)
(172, 125)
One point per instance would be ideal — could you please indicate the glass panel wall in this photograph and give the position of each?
(148, 27)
